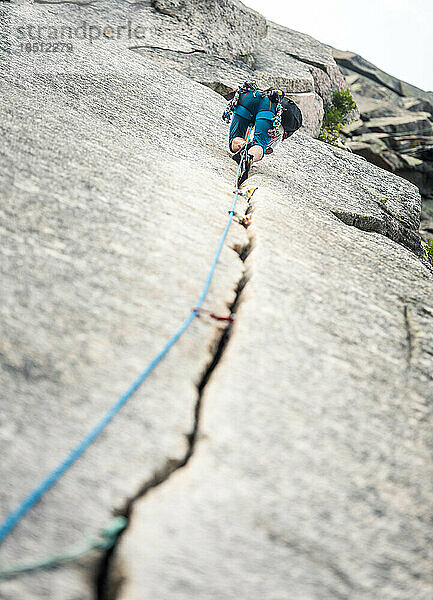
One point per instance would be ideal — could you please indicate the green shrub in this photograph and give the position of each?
(429, 249)
(335, 117)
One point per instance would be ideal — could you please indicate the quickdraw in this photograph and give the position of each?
(249, 193)
(273, 132)
(246, 219)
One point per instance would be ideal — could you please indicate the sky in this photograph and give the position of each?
(395, 35)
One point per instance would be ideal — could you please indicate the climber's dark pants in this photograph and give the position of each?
(256, 111)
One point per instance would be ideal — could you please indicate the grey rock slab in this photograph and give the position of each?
(113, 202)
(326, 82)
(116, 183)
(403, 124)
(302, 46)
(200, 40)
(391, 107)
(312, 475)
(358, 64)
(178, 25)
(386, 202)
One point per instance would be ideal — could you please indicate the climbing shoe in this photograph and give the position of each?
(245, 169)
(238, 155)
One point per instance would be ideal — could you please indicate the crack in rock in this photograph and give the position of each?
(409, 334)
(108, 580)
(148, 47)
(244, 250)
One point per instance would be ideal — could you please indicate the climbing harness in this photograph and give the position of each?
(15, 516)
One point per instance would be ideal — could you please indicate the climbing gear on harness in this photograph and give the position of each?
(278, 97)
(283, 105)
(273, 132)
(248, 86)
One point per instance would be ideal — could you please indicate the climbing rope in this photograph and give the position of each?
(13, 518)
(106, 541)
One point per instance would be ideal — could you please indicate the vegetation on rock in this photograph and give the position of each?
(428, 245)
(336, 116)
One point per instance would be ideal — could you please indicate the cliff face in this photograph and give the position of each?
(395, 128)
(222, 44)
(284, 456)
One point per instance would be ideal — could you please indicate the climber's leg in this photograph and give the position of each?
(256, 152)
(263, 122)
(238, 130)
(237, 144)
(261, 138)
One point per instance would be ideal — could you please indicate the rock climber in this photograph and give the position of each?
(273, 116)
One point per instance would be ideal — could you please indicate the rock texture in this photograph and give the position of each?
(286, 456)
(244, 46)
(222, 44)
(395, 128)
(304, 483)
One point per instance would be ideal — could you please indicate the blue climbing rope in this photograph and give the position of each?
(13, 518)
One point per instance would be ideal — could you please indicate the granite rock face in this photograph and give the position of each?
(243, 46)
(306, 488)
(222, 43)
(283, 456)
(395, 128)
